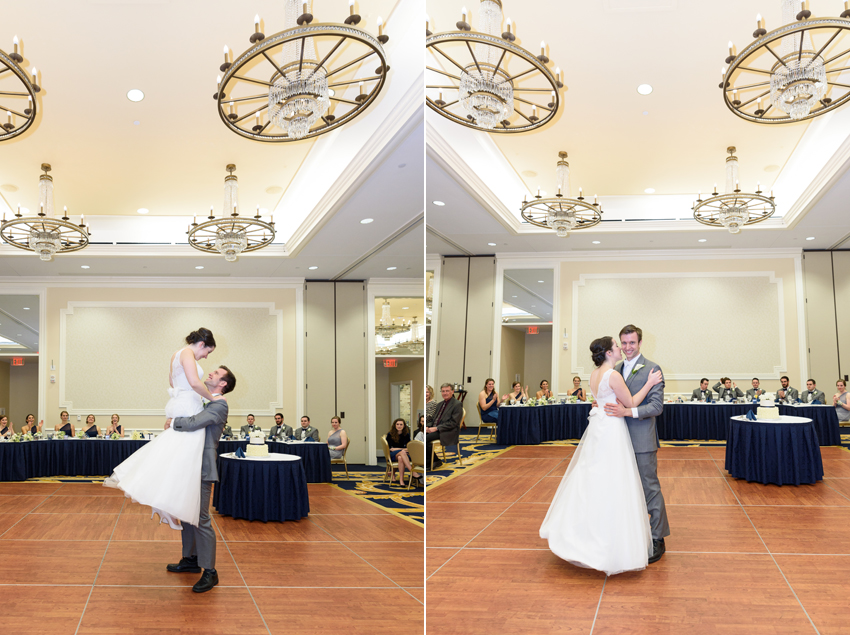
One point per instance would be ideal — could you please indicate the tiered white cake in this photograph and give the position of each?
(767, 407)
(257, 444)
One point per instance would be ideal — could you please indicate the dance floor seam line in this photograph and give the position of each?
(598, 604)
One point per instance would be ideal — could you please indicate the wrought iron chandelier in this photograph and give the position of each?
(734, 209)
(560, 212)
(493, 74)
(310, 73)
(231, 235)
(16, 85)
(45, 234)
(784, 76)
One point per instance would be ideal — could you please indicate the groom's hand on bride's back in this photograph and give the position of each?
(616, 410)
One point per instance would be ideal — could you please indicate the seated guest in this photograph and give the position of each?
(755, 391)
(29, 425)
(725, 388)
(839, 400)
(249, 427)
(488, 401)
(114, 427)
(66, 425)
(420, 430)
(812, 393)
(279, 429)
(227, 432)
(517, 394)
(337, 439)
(397, 438)
(786, 393)
(6, 429)
(90, 429)
(702, 393)
(431, 404)
(544, 392)
(306, 430)
(446, 426)
(578, 391)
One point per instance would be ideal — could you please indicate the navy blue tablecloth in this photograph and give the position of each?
(779, 453)
(315, 456)
(533, 425)
(261, 490)
(63, 457)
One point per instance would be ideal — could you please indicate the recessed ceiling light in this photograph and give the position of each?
(539, 281)
(645, 112)
(274, 189)
(8, 187)
(84, 267)
(26, 308)
(644, 89)
(135, 95)
(595, 242)
(438, 203)
(391, 268)
(312, 268)
(650, 190)
(366, 221)
(143, 210)
(492, 244)
(199, 267)
(533, 306)
(402, 165)
(137, 122)
(810, 238)
(701, 240)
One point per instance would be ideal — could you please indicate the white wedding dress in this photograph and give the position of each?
(598, 518)
(166, 473)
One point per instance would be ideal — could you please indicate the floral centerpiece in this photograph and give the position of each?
(573, 399)
(531, 402)
(114, 435)
(136, 435)
(60, 435)
(28, 437)
(38, 435)
(553, 400)
(15, 438)
(80, 434)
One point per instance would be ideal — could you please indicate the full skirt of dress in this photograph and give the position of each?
(166, 473)
(598, 517)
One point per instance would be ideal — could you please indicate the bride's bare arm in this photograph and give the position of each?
(170, 365)
(618, 385)
(190, 368)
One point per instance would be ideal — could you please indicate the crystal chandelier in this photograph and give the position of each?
(560, 212)
(498, 79)
(798, 59)
(416, 345)
(16, 85)
(313, 75)
(387, 326)
(733, 209)
(45, 234)
(231, 235)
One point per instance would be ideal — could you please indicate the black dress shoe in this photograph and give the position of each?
(658, 550)
(186, 565)
(207, 581)
(437, 464)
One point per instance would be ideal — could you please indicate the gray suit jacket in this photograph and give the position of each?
(642, 430)
(697, 394)
(735, 393)
(805, 397)
(277, 431)
(213, 418)
(751, 393)
(792, 393)
(449, 424)
(309, 431)
(245, 430)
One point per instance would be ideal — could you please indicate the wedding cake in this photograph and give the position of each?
(767, 407)
(257, 444)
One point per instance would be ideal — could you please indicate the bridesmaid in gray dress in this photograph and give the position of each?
(839, 400)
(337, 439)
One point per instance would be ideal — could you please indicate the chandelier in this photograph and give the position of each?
(45, 234)
(387, 326)
(416, 345)
(310, 77)
(786, 75)
(559, 212)
(733, 209)
(231, 234)
(501, 86)
(16, 85)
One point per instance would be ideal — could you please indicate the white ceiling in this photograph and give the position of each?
(19, 323)
(534, 290)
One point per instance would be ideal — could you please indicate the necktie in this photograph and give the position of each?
(440, 412)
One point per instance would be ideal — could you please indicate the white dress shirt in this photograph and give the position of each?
(628, 367)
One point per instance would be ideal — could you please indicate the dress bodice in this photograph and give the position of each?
(604, 392)
(336, 438)
(91, 431)
(492, 402)
(178, 375)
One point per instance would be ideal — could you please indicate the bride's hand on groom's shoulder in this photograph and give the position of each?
(655, 377)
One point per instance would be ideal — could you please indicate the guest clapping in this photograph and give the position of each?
(6, 429)
(544, 392)
(839, 400)
(114, 427)
(755, 391)
(812, 393)
(431, 404)
(66, 426)
(397, 439)
(488, 401)
(90, 429)
(30, 427)
(337, 439)
(578, 391)
(518, 394)
(727, 390)
(280, 430)
(787, 393)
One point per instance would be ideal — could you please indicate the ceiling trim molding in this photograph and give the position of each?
(673, 254)
(43, 282)
(122, 250)
(389, 240)
(448, 241)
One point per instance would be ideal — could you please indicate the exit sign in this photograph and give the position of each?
(390, 363)
(17, 361)
(532, 330)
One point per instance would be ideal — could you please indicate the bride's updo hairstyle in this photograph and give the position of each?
(599, 347)
(201, 335)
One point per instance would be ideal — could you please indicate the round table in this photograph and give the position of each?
(782, 451)
(316, 456)
(262, 488)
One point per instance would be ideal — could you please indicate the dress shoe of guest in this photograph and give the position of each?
(186, 565)
(437, 464)
(658, 550)
(207, 581)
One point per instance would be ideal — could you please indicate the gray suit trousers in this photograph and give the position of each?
(647, 463)
(200, 541)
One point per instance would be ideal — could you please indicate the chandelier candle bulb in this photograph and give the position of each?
(15, 41)
(463, 13)
(34, 75)
(380, 26)
(542, 47)
(257, 23)
(758, 19)
(225, 53)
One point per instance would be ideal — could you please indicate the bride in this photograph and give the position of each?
(165, 473)
(598, 518)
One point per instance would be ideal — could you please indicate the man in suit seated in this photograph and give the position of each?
(227, 432)
(306, 430)
(786, 393)
(279, 429)
(702, 393)
(812, 393)
(446, 426)
(725, 387)
(249, 427)
(755, 391)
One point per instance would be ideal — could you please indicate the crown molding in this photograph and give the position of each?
(7, 282)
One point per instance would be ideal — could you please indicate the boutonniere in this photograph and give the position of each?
(637, 368)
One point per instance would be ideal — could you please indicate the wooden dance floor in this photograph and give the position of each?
(80, 558)
(743, 558)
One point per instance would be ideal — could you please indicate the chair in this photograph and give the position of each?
(416, 452)
(483, 424)
(342, 459)
(390, 463)
(437, 445)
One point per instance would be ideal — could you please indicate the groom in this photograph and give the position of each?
(199, 542)
(641, 423)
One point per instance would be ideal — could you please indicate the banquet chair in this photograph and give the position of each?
(390, 463)
(437, 445)
(342, 459)
(484, 424)
(416, 452)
